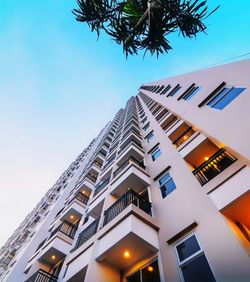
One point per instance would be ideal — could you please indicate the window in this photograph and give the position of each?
(193, 262)
(144, 120)
(225, 97)
(146, 126)
(155, 154)
(164, 91)
(174, 91)
(192, 92)
(150, 136)
(150, 273)
(167, 185)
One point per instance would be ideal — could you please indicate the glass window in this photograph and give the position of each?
(197, 270)
(146, 126)
(225, 97)
(136, 277)
(150, 273)
(155, 154)
(187, 248)
(192, 93)
(167, 185)
(193, 262)
(174, 91)
(150, 136)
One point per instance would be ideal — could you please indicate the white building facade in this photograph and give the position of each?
(162, 194)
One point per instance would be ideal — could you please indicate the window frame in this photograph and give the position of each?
(151, 135)
(192, 257)
(157, 148)
(191, 93)
(160, 185)
(146, 126)
(174, 90)
(151, 261)
(218, 99)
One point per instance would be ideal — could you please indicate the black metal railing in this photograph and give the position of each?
(101, 186)
(82, 198)
(42, 276)
(130, 197)
(66, 228)
(161, 115)
(129, 161)
(183, 137)
(86, 234)
(91, 178)
(214, 166)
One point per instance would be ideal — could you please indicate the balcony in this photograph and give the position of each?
(181, 135)
(86, 184)
(128, 238)
(217, 163)
(237, 214)
(42, 276)
(130, 197)
(130, 149)
(132, 136)
(161, 115)
(58, 244)
(80, 198)
(129, 174)
(86, 234)
(65, 228)
(133, 129)
(168, 121)
(100, 186)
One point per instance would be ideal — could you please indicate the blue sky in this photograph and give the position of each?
(59, 87)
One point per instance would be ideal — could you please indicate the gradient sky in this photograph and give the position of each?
(59, 87)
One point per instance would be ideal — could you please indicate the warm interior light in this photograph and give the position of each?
(185, 137)
(150, 268)
(71, 217)
(206, 158)
(53, 257)
(126, 254)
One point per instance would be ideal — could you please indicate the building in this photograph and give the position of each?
(162, 194)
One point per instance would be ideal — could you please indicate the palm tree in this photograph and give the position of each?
(143, 24)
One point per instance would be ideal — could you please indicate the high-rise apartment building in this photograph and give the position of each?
(162, 194)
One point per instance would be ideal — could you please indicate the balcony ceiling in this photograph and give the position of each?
(48, 259)
(130, 151)
(132, 178)
(238, 210)
(138, 248)
(71, 212)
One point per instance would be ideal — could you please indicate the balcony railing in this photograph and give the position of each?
(101, 186)
(42, 276)
(91, 177)
(80, 197)
(130, 197)
(183, 137)
(86, 234)
(214, 166)
(66, 228)
(129, 161)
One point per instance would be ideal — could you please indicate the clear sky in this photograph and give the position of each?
(59, 87)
